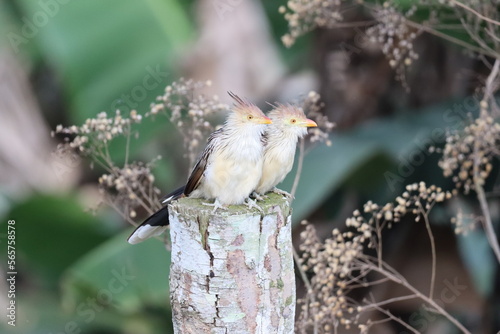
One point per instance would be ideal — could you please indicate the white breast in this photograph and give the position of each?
(278, 162)
(234, 169)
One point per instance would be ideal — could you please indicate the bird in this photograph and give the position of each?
(227, 171)
(281, 137)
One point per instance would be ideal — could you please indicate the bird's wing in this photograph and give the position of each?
(199, 169)
(177, 193)
(264, 139)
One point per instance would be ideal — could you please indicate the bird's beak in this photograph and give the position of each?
(265, 120)
(309, 123)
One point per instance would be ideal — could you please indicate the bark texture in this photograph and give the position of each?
(232, 271)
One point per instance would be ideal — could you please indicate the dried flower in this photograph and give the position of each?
(339, 264)
(187, 108)
(467, 154)
(95, 133)
(305, 15)
(130, 187)
(312, 106)
(395, 38)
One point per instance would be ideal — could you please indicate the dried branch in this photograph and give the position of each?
(420, 295)
(479, 15)
(300, 163)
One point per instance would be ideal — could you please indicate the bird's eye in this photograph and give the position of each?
(249, 117)
(293, 121)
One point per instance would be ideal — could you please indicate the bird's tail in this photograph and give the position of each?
(158, 222)
(154, 225)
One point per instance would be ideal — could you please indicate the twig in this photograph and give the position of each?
(487, 223)
(103, 165)
(108, 156)
(389, 301)
(307, 283)
(476, 37)
(127, 146)
(367, 284)
(141, 202)
(351, 24)
(481, 16)
(126, 217)
(379, 242)
(419, 294)
(481, 196)
(403, 323)
(493, 36)
(451, 39)
(299, 168)
(489, 87)
(148, 199)
(433, 248)
(121, 213)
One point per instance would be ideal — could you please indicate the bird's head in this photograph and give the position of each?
(291, 119)
(247, 113)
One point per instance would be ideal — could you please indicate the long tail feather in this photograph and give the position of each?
(154, 225)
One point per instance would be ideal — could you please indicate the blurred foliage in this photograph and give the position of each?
(144, 267)
(476, 253)
(295, 58)
(352, 157)
(103, 51)
(383, 156)
(106, 56)
(59, 233)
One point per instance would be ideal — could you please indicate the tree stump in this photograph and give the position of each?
(232, 271)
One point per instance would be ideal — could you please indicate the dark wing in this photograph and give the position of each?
(177, 193)
(264, 139)
(199, 169)
(154, 225)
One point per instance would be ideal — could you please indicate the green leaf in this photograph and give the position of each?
(109, 54)
(126, 276)
(476, 252)
(479, 260)
(41, 312)
(51, 233)
(325, 169)
(399, 138)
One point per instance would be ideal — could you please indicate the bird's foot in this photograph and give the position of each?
(284, 193)
(253, 204)
(258, 197)
(216, 204)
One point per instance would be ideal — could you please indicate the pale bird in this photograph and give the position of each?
(227, 171)
(281, 137)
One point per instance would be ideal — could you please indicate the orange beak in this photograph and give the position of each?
(265, 120)
(309, 123)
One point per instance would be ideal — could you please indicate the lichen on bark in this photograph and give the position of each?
(232, 271)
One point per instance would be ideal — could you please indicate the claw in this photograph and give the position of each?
(258, 197)
(253, 204)
(282, 192)
(216, 204)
